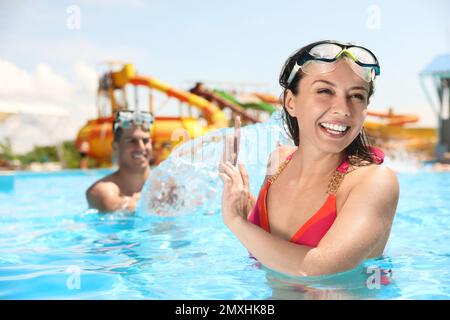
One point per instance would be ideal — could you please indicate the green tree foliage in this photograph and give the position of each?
(69, 153)
(6, 152)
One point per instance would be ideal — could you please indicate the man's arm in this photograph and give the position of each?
(104, 196)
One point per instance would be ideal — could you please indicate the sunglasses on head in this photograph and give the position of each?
(322, 57)
(128, 118)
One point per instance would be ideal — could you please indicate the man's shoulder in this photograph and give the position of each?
(103, 195)
(103, 188)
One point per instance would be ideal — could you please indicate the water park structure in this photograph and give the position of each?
(94, 139)
(439, 71)
(386, 129)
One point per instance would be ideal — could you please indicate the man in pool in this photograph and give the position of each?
(121, 190)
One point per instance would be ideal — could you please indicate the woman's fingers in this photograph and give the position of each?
(227, 155)
(226, 179)
(228, 169)
(225, 150)
(236, 139)
(224, 168)
(231, 143)
(230, 149)
(244, 175)
(232, 172)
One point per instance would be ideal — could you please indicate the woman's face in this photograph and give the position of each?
(330, 108)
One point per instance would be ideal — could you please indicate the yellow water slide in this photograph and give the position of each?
(96, 136)
(212, 113)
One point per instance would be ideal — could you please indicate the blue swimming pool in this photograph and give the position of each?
(51, 247)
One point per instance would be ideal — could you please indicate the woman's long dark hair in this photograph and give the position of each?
(358, 150)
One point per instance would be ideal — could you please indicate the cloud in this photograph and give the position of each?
(44, 89)
(42, 84)
(87, 77)
(130, 3)
(85, 50)
(63, 53)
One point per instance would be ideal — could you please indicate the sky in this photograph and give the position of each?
(51, 52)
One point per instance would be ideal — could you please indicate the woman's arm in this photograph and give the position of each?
(362, 223)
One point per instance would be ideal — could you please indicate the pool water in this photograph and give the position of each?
(52, 247)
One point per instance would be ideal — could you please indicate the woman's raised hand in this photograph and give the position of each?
(236, 194)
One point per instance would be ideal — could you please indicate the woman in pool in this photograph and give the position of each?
(330, 204)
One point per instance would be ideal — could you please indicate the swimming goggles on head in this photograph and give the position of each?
(128, 118)
(322, 58)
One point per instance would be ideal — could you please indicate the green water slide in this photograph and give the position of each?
(264, 106)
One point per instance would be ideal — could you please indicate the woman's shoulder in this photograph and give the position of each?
(372, 174)
(380, 180)
(282, 152)
(372, 171)
(375, 186)
(278, 156)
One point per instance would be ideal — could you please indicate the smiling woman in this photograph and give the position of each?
(316, 212)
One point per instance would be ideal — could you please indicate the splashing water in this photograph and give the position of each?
(187, 181)
(400, 160)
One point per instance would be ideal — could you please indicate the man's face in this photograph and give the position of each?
(134, 148)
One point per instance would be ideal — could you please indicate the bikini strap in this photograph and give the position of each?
(274, 177)
(335, 181)
(338, 176)
(342, 169)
